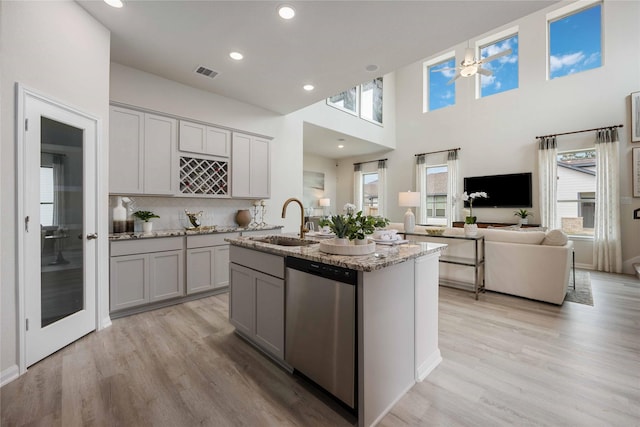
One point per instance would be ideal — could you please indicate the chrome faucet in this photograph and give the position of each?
(284, 211)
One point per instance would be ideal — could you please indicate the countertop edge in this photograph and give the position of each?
(383, 256)
(115, 237)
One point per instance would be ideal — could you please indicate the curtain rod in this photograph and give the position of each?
(370, 161)
(580, 131)
(439, 151)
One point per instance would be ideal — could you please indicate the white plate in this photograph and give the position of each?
(320, 234)
(391, 242)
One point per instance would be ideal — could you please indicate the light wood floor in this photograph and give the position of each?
(507, 361)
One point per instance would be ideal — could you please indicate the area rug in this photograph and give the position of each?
(582, 293)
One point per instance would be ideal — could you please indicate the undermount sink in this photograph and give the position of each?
(283, 241)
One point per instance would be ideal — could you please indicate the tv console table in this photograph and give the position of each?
(460, 224)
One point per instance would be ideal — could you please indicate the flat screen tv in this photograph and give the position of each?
(503, 191)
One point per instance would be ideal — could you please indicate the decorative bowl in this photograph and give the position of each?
(435, 231)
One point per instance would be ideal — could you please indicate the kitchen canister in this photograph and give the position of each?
(243, 217)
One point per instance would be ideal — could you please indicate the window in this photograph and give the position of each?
(370, 193)
(46, 195)
(577, 191)
(371, 100)
(504, 70)
(575, 40)
(437, 74)
(347, 100)
(364, 100)
(436, 194)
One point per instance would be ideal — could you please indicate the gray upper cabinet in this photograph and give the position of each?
(142, 153)
(203, 139)
(250, 166)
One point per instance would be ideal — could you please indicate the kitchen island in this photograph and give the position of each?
(395, 314)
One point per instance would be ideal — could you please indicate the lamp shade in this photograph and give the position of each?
(409, 199)
(324, 202)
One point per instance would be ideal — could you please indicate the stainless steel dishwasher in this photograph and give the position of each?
(321, 325)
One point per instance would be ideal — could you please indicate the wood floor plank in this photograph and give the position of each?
(506, 361)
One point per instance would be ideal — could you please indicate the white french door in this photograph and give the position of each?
(57, 187)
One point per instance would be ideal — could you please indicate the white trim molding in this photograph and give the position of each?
(9, 374)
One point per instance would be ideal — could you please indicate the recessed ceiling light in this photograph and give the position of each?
(286, 11)
(371, 68)
(340, 146)
(308, 88)
(236, 55)
(114, 3)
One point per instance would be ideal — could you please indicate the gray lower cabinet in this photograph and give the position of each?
(145, 271)
(207, 262)
(256, 301)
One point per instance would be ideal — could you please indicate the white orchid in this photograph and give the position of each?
(349, 208)
(471, 197)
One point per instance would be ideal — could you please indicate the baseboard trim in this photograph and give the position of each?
(428, 365)
(9, 374)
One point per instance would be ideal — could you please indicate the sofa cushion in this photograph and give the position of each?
(556, 238)
(510, 236)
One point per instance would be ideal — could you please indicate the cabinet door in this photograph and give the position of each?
(241, 299)
(192, 137)
(221, 266)
(240, 165)
(160, 159)
(166, 275)
(126, 151)
(129, 281)
(218, 142)
(259, 176)
(269, 314)
(201, 269)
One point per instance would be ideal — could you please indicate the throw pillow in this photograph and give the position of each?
(556, 238)
(533, 229)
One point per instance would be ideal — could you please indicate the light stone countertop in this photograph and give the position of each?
(384, 255)
(191, 232)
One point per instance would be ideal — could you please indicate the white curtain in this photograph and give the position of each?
(453, 192)
(357, 187)
(548, 180)
(421, 186)
(607, 254)
(382, 187)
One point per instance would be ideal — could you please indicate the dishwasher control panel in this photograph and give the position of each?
(332, 272)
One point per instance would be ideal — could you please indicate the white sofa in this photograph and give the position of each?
(532, 264)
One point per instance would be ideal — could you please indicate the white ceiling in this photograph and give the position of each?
(327, 44)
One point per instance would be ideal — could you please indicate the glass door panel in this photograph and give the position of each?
(61, 221)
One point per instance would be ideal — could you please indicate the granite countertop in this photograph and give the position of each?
(191, 232)
(383, 256)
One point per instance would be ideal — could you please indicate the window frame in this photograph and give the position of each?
(358, 97)
(377, 198)
(493, 39)
(435, 220)
(563, 12)
(578, 200)
(426, 81)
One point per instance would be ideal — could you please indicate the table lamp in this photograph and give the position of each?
(324, 203)
(409, 200)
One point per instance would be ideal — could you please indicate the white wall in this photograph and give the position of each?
(57, 49)
(497, 133)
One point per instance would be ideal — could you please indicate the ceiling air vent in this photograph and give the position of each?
(207, 72)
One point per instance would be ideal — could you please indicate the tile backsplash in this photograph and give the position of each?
(221, 212)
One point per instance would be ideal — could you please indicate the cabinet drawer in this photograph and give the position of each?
(204, 240)
(256, 260)
(133, 247)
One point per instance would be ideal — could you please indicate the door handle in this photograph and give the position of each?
(92, 236)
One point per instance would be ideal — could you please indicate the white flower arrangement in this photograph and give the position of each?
(349, 208)
(471, 197)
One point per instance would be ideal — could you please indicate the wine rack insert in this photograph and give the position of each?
(204, 176)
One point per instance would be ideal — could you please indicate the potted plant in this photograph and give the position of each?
(470, 226)
(145, 216)
(339, 225)
(523, 214)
